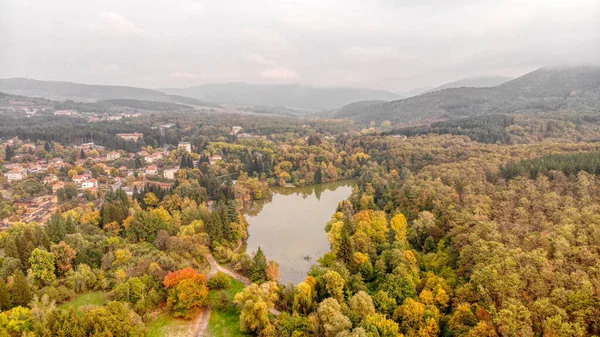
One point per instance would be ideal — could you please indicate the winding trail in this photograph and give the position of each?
(204, 316)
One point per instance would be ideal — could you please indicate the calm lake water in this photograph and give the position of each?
(290, 227)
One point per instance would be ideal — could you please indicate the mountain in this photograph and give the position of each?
(543, 90)
(288, 95)
(83, 92)
(473, 82)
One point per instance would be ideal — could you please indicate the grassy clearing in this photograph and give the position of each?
(226, 323)
(166, 325)
(95, 298)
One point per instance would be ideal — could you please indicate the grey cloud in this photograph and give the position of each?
(386, 44)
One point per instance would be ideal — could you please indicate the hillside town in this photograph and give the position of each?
(38, 177)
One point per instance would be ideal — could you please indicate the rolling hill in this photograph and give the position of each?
(473, 82)
(543, 90)
(61, 91)
(77, 91)
(289, 95)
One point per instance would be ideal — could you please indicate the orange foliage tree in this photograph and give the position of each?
(188, 292)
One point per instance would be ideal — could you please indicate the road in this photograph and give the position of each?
(204, 316)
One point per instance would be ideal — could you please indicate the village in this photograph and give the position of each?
(37, 178)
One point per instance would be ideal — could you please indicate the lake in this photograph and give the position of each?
(290, 227)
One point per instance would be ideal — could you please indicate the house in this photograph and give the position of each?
(57, 163)
(34, 168)
(152, 158)
(213, 159)
(185, 146)
(16, 174)
(57, 186)
(151, 170)
(170, 173)
(235, 130)
(50, 179)
(114, 155)
(89, 183)
(78, 179)
(130, 136)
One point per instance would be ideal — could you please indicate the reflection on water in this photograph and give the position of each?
(290, 227)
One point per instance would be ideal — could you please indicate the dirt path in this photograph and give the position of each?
(214, 267)
(202, 322)
(204, 316)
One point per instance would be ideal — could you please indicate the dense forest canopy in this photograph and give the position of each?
(484, 225)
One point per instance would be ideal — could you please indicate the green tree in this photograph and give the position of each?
(21, 290)
(361, 305)
(5, 301)
(334, 283)
(9, 152)
(42, 266)
(332, 318)
(259, 267)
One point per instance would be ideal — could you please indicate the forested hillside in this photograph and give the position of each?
(544, 90)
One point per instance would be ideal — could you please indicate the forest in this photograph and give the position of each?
(473, 227)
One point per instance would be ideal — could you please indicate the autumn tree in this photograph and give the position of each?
(187, 292)
(42, 266)
(272, 272)
(63, 255)
(254, 302)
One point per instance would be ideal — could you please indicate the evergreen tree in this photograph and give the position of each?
(258, 273)
(318, 176)
(47, 147)
(21, 290)
(346, 251)
(82, 154)
(55, 228)
(4, 296)
(9, 152)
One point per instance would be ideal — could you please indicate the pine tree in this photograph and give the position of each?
(259, 267)
(4, 296)
(82, 154)
(21, 290)
(346, 251)
(9, 152)
(318, 176)
(55, 228)
(47, 147)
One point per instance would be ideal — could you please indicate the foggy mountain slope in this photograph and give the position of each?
(80, 92)
(288, 95)
(542, 90)
(473, 82)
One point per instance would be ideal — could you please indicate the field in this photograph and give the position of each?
(226, 323)
(166, 325)
(91, 298)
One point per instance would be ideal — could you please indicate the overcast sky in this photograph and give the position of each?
(387, 44)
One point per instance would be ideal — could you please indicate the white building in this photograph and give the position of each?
(170, 173)
(114, 155)
(15, 175)
(130, 136)
(90, 183)
(186, 146)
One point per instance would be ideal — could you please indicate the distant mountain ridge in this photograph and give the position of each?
(542, 90)
(288, 95)
(59, 90)
(473, 82)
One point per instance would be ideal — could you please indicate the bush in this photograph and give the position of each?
(219, 281)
